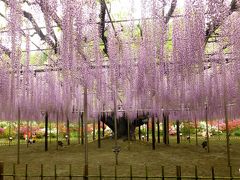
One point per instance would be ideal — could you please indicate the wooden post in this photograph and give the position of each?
(148, 130)
(68, 131)
(46, 131)
(99, 131)
(178, 131)
(18, 135)
(1, 170)
(85, 117)
(206, 118)
(158, 130)
(153, 134)
(82, 134)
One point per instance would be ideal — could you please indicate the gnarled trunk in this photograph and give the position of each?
(122, 125)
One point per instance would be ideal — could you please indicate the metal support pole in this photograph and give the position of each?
(85, 117)
(148, 130)
(57, 130)
(94, 129)
(206, 118)
(99, 131)
(178, 132)
(116, 148)
(128, 126)
(27, 132)
(82, 134)
(158, 130)
(79, 126)
(18, 135)
(153, 134)
(68, 131)
(46, 131)
(227, 134)
(196, 130)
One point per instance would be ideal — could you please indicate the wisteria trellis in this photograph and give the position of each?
(153, 66)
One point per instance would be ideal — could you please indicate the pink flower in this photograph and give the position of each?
(1, 130)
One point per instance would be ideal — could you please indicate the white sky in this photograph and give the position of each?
(119, 9)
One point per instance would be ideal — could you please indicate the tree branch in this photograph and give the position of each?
(5, 50)
(102, 26)
(171, 10)
(53, 14)
(213, 26)
(38, 30)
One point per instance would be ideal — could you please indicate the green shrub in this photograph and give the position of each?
(237, 132)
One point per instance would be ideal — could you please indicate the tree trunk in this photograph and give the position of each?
(122, 125)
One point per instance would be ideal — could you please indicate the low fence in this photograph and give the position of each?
(100, 176)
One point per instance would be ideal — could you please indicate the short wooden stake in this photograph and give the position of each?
(146, 172)
(100, 172)
(163, 173)
(213, 174)
(1, 170)
(179, 174)
(131, 174)
(41, 175)
(26, 172)
(196, 173)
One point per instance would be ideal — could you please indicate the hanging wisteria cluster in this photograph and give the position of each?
(152, 65)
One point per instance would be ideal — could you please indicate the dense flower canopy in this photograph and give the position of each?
(175, 59)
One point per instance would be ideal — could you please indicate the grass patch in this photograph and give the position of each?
(186, 155)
